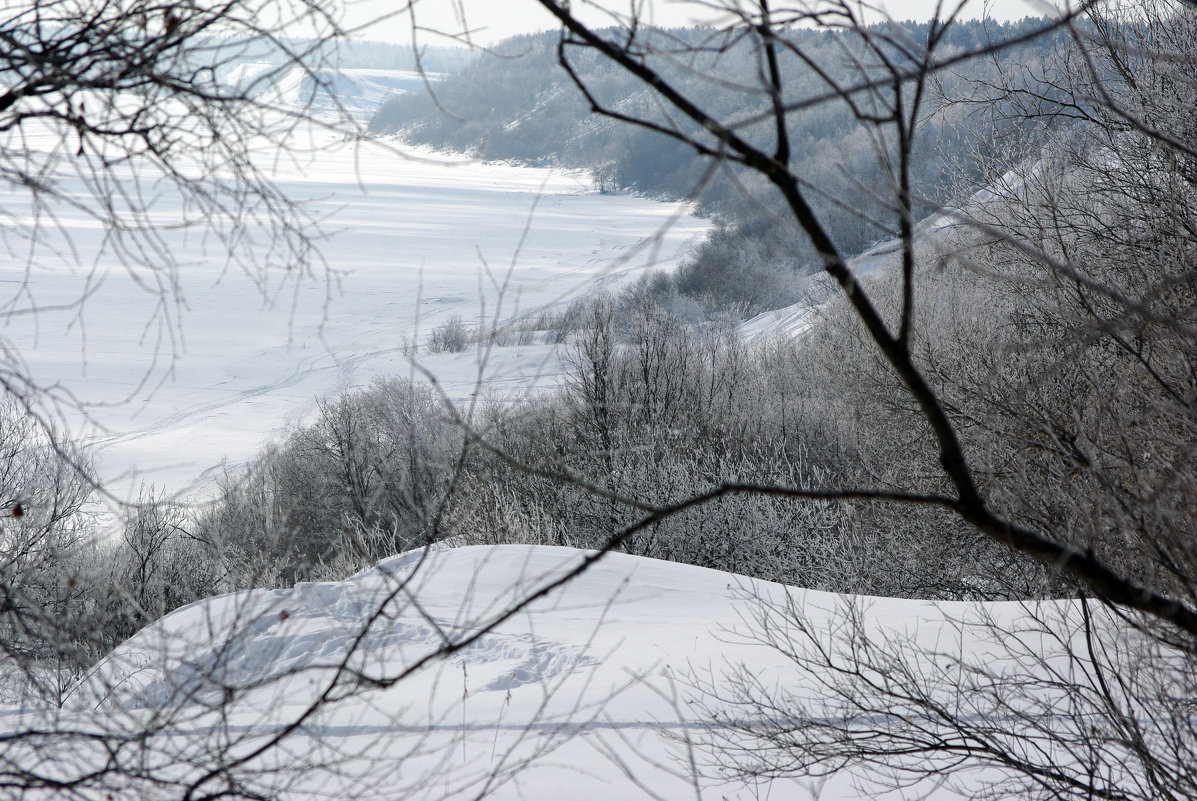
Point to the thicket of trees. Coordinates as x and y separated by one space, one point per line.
368 478
653 410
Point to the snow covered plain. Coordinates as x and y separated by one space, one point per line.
586 693
411 242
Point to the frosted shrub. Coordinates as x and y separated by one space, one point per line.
451 336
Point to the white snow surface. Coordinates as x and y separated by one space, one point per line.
414 238
587 685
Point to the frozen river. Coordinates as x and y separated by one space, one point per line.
412 242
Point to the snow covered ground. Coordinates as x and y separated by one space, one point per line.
413 240
584 694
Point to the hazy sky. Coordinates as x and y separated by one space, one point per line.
490 20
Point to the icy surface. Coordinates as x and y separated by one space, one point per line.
414 239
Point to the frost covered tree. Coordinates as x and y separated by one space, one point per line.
43 531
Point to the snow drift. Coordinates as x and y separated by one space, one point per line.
425 677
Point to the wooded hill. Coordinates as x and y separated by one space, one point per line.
515 102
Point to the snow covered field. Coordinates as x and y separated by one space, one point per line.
413 241
585 693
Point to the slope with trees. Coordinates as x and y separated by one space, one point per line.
514 101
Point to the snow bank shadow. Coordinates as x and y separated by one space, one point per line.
523 659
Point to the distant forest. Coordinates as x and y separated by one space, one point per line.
515 102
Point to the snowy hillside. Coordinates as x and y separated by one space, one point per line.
358 91
590 683
934 229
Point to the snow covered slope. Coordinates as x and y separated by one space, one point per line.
583 694
795 319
